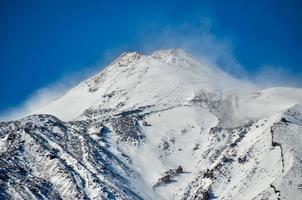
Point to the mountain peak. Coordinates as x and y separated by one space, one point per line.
175 52
171 55
202 134
166 55
164 77
126 58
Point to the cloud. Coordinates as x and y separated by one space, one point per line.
49 93
199 40
40 97
277 76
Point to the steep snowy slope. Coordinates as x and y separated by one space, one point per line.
160 126
45 158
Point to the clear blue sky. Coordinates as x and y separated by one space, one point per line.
42 41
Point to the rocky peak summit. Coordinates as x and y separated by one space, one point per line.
126 58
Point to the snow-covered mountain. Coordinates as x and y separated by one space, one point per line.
160 126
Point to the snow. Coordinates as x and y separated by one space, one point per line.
232 139
182 127
268 102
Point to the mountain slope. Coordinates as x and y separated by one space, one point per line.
162 126
136 80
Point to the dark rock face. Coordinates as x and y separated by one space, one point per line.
202 194
128 129
168 176
208 174
146 123
179 170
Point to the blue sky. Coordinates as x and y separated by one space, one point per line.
43 42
